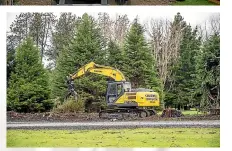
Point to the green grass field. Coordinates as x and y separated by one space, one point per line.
191 112
194 2
146 137
187 112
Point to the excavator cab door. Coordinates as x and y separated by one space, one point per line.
114 91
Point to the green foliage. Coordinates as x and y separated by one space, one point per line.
192 112
139 63
28 85
193 2
85 47
48 105
208 72
36 25
61 36
192 77
195 77
183 72
16 2
40 28
115 56
70 106
136 137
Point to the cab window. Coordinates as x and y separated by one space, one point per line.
119 89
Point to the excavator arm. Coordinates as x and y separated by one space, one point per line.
92 68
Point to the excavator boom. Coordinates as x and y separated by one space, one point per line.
99 69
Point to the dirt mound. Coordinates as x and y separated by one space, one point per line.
49 116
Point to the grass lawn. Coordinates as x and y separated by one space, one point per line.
142 137
187 112
191 112
194 2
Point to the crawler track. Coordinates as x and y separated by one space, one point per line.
125 113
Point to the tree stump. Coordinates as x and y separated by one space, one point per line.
171 113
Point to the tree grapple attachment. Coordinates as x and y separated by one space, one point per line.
71 89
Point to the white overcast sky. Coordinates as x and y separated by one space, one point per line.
194 18
191 15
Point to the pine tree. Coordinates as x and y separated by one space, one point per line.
208 73
61 36
115 57
28 86
40 29
85 47
19 28
139 64
179 88
184 71
37 25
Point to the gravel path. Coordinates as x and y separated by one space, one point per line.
110 125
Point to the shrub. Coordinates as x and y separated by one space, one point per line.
48 104
70 106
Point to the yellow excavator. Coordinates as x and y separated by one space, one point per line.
121 99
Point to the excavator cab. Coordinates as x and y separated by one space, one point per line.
116 90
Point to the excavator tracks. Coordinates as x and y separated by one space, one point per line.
125 113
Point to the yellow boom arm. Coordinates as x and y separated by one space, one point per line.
99 69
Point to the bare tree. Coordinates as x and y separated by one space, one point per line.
158 30
210 27
120 28
62 35
37 25
165 38
41 29
20 27
105 23
114 29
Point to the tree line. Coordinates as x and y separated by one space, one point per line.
180 62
